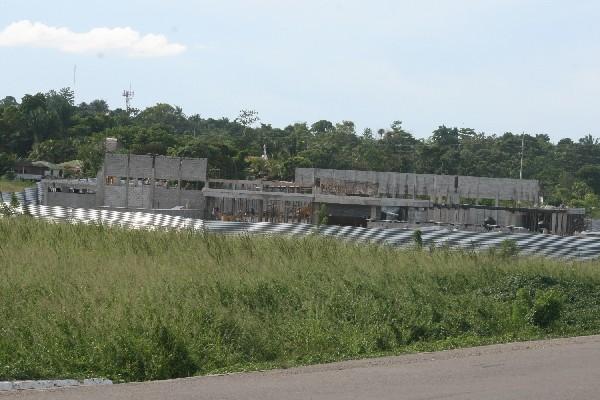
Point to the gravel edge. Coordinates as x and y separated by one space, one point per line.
50 384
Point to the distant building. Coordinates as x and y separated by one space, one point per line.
37 170
357 198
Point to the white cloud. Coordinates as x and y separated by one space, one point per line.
97 40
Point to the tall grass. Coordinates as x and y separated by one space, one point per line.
14 186
78 301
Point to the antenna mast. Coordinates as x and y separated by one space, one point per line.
128 94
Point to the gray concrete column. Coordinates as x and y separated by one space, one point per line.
100 183
374 214
126 183
179 183
152 183
315 212
497 205
259 209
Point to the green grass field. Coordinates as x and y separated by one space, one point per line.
90 301
14 186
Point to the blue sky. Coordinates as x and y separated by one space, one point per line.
492 65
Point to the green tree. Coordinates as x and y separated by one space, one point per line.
34 112
247 118
54 150
590 174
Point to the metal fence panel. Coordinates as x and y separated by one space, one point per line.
564 247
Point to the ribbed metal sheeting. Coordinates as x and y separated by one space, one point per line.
40 193
27 196
570 247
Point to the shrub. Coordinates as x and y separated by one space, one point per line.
322 220
546 308
509 248
6 210
418 238
521 306
14 201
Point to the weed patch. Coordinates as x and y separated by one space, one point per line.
80 301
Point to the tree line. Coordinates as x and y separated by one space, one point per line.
51 127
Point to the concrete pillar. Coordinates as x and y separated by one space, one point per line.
179 183
100 183
315 212
259 210
152 184
497 205
126 183
560 227
374 214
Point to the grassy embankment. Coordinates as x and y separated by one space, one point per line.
80 301
14 186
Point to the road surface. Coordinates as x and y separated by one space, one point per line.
549 370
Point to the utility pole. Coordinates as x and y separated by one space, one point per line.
74 81
522 151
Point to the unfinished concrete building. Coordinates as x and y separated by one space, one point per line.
129 181
359 198
152 182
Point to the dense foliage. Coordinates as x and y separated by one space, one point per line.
89 301
50 127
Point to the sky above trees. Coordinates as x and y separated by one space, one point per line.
492 65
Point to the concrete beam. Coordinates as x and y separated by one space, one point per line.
370 201
256 195
317 198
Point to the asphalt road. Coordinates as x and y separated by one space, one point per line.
549 370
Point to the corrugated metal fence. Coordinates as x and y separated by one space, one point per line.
27 196
570 247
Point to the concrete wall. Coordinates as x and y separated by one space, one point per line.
139 196
114 196
148 194
169 198
142 166
167 167
74 200
192 199
349 211
61 192
194 169
393 184
115 165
